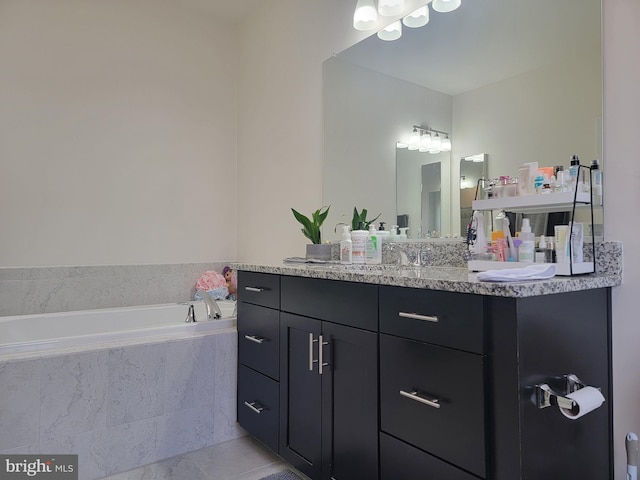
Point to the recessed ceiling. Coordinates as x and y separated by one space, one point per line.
483 42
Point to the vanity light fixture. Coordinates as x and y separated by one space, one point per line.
446 144
445 6
390 8
418 18
414 140
391 32
436 144
426 139
366 16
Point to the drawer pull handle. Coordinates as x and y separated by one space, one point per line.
427 318
433 402
254 289
253 338
252 406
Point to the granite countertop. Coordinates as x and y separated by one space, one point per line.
452 279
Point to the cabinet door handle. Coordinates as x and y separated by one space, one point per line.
428 318
254 289
253 338
321 364
252 406
311 360
432 402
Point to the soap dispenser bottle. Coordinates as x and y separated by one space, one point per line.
358 244
373 249
383 235
346 247
403 233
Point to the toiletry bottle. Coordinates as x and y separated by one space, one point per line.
596 179
346 247
541 251
373 250
393 233
527 248
574 169
403 233
550 254
383 235
358 241
538 181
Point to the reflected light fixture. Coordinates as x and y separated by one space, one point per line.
391 32
446 144
365 17
418 18
390 8
445 6
436 144
414 140
426 139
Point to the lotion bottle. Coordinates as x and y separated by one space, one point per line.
346 247
358 242
373 247
403 233
527 247
541 251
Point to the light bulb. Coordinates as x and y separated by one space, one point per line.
425 141
446 144
418 18
365 17
444 6
390 8
391 32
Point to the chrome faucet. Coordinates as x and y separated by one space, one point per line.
213 310
411 254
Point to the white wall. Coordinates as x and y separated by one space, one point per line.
117 134
284 57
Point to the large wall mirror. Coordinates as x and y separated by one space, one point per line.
517 80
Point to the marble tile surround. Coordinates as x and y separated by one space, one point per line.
119 408
61 289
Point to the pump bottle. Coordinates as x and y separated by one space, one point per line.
358 241
373 247
346 247
527 247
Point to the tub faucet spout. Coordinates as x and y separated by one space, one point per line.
213 310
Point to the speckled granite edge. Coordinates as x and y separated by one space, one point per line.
450 279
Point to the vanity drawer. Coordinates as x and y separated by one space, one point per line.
259 338
346 303
444 318
401 461
452 427
259 289
258 406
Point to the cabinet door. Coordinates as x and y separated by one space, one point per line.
349 403
300 393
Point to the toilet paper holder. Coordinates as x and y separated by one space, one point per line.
545 396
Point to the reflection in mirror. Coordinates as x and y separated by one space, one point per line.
472 169
423 192
520 79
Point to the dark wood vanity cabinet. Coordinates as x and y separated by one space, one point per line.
394 383
258 405
329 378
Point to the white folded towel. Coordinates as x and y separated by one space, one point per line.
532 272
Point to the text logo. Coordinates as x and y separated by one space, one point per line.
43 467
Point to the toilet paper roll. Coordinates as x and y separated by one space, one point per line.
587 399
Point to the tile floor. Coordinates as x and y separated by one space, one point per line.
240 459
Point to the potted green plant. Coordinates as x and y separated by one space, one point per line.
311 230
361 217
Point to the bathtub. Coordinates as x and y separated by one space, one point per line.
119 387
29 333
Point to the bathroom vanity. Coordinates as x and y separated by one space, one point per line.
392 374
